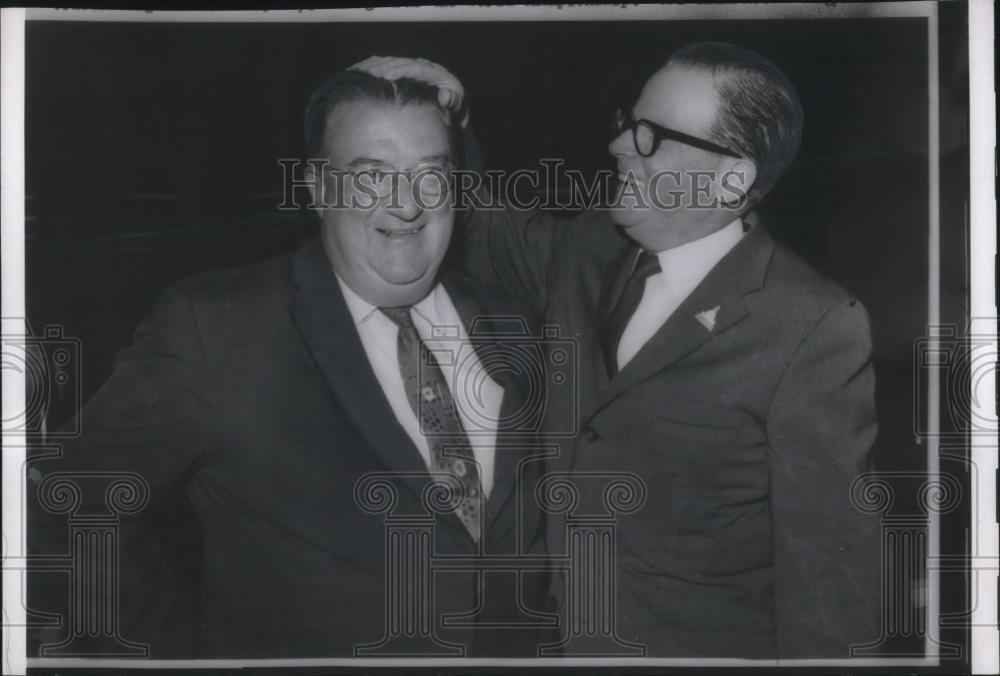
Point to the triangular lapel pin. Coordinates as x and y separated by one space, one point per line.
707 317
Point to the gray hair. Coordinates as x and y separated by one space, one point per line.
760 114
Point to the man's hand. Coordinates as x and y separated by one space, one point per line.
451 94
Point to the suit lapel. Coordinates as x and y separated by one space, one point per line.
740 272
327 328
594 377
488 332
615 277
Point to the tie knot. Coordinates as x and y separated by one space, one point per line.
400 316
646 265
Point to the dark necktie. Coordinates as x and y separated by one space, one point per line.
431 400
614 326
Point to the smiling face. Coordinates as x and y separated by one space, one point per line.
389 252
670 210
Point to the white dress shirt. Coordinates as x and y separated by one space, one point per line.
440 327
681 270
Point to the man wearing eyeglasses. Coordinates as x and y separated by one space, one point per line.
715 365
258 403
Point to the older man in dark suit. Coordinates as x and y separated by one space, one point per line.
254 400
714 363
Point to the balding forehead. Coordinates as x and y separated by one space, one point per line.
680 97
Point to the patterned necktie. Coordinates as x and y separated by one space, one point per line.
614 326
430 397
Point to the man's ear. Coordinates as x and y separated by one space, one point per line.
738 177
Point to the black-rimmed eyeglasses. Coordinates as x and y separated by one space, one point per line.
648 136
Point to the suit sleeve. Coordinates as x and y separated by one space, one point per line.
148 419
822 426
504 245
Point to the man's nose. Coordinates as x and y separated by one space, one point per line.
622 145
403 204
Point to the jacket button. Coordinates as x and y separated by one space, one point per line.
590 434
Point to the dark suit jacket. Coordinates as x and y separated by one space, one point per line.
748 437
248 405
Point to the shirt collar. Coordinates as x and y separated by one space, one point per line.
362 311
692 261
